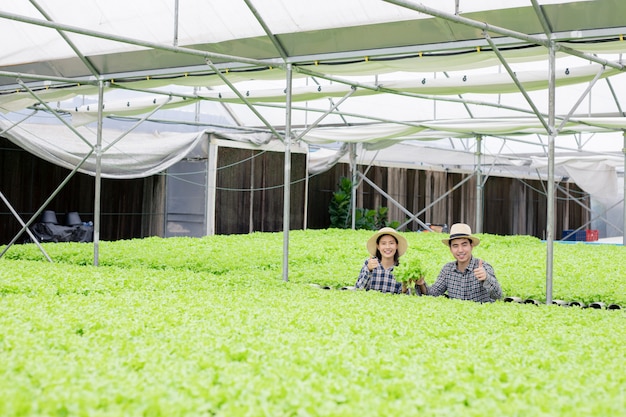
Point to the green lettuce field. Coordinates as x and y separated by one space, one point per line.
207 327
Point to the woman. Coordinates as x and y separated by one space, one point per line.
385 247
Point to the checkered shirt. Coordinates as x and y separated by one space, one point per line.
464 285
379 279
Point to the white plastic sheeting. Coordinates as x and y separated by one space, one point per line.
403 65
460 128
595 175
199 21
136 155
496 83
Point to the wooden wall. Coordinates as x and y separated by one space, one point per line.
135 208
511 206
127 206
250 192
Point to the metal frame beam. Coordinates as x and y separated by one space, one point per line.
485 27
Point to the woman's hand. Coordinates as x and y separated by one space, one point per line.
372 263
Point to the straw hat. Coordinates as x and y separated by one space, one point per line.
461 230
402 243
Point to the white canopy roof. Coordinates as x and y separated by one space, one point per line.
373 72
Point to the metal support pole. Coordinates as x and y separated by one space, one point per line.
354 182
45 204
132 41
305 219
551 186
287 189
98 180
391 199
24 227
479 186
175 40
624 195
251 199
211 191
485 27
414 216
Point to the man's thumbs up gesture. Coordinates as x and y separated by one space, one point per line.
480 272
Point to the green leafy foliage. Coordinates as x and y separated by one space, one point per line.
207 326
341 213
339 208
411 268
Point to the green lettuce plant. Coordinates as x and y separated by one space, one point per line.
206 326
411 269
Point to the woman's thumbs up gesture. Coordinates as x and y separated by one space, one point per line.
372 263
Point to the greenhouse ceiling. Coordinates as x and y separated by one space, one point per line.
370 72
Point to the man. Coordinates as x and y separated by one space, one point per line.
467 278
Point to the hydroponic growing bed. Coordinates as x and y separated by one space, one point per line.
184 327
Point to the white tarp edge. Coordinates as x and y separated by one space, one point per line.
597 175
493 83
386 134
421 155
136 155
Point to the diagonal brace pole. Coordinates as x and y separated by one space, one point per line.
19 219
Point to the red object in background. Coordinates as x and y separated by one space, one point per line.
592 235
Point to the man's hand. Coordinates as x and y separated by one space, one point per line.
480 272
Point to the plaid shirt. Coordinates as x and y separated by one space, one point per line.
464 285
379 279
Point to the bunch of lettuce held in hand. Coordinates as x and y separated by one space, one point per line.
411 269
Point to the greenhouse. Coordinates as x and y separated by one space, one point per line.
505 115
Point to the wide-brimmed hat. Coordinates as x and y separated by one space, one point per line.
402 243
461 231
